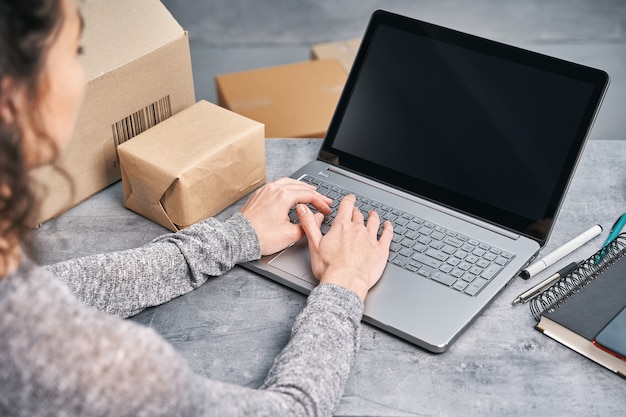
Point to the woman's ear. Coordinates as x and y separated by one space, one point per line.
8 108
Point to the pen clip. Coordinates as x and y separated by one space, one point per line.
613 233
621 221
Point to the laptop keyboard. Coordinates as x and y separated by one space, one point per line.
424 248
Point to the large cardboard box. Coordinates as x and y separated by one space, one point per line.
193 165
342 51
293 101
138 68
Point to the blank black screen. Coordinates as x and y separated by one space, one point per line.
494 136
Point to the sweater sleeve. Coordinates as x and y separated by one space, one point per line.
309 376
124 283
58 357
325 340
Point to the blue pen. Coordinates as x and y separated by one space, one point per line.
615 230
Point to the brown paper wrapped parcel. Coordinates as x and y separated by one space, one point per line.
192 165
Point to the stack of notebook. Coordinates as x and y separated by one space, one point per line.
586 310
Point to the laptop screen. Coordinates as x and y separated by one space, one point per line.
489 129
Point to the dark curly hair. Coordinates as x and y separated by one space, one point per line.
27 28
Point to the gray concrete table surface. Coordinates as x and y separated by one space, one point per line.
231 328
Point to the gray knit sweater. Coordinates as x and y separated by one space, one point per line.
63 351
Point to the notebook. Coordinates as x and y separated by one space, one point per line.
470 144
578 309
612 337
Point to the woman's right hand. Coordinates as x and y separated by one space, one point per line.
350 254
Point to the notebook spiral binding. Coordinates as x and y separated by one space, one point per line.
586 272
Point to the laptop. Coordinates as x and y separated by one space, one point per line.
468 146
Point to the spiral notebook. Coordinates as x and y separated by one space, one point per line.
578 306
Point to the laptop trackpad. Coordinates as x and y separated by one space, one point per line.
296 261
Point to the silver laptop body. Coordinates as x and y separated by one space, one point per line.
464 139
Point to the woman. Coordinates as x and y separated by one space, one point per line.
64 352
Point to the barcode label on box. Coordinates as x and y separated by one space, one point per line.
142 120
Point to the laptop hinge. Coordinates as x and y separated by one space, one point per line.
422 201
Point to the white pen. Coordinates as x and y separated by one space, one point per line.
561 252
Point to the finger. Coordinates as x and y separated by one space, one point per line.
306 195
373 222
319 218
321 203
310 225
357 216
386 235
344 211
291 181
289 185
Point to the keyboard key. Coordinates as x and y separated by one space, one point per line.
490 256
444 278
460 285
416 265
398 229
437 235
418 247
424 273
426 231
469 277
449 250
401 260
483 263
472 259
401 221
475 270
460 254
479 252
491 271
453 242
454 261
427 260
425 240
501 260
476 286
407 242
440 256
457 273
468 248
412 235
436 244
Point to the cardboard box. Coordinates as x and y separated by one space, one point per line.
293 100
343 51
193 165
138 68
